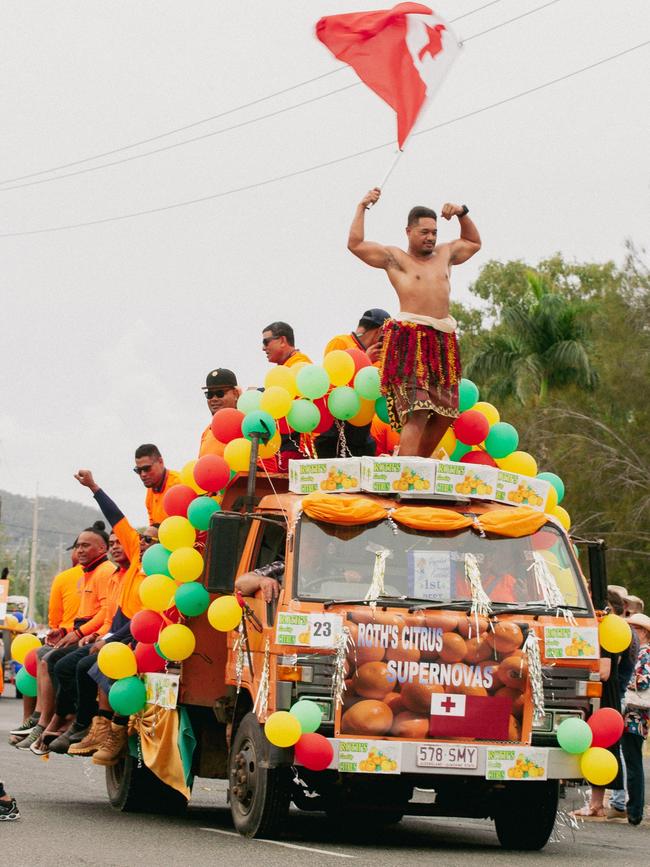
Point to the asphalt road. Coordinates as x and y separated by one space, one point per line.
66 820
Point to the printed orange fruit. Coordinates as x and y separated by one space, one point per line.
372 680
454 647
367 718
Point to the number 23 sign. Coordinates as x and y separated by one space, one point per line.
308 630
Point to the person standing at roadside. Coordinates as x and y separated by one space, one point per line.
637 721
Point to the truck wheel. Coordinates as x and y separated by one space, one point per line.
259 795
138 790
525 815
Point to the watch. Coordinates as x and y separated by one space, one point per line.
465 212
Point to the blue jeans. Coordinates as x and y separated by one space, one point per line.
633 753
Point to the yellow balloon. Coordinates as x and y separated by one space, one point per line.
157 592
176 532
614 633
187 477
237 454
276 401
598 766
225 613
551 502
177 642
365 415
21 645
339 366
283 377
562 515
272 447
490 412
117 660
185 564
518 462
448 442
283 729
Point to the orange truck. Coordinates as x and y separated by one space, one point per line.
430 709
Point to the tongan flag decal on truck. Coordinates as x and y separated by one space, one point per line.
484 717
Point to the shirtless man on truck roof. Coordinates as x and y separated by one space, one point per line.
420 364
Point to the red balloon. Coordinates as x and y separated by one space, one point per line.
211 472
360 359
31 661
226 424
478 458
283 426
607 727
314 752
146 626
147 658
171 615
326 417
471 427
177 499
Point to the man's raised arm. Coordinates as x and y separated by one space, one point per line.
368 251
469 242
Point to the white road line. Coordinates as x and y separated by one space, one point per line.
280 843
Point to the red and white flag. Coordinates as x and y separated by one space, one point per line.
403 54
484 717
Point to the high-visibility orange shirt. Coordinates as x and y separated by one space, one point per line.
95 585
210 445
113 591
346 341
65 593
384 436
297 358
155 496
129 599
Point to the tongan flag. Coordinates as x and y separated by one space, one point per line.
402 53
482 717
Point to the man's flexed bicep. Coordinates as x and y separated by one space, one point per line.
370 252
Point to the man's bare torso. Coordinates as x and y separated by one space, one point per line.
422 284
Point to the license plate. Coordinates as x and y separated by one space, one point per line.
446 756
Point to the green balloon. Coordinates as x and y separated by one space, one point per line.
155 559
467 394
343 402
367 383
460 451
156 647
381 409
127 696
26 683
574 735
192 599
312 381
200 511
308 714
259 422
501 440
304 416
248 401
557 483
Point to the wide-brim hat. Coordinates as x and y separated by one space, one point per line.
641 620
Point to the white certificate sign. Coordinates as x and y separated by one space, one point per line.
571 642
308 630
429 575
520 763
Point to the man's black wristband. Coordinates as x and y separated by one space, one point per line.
465 212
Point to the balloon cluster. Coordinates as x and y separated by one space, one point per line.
478 436
305 399
590 740
297 728
23 651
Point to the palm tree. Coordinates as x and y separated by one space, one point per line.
539 344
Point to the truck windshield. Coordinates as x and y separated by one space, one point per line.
336 562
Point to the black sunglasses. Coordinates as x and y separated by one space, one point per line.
215 392
267 340
147 539
139 470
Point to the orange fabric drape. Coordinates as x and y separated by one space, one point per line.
514 522
343 508
430 518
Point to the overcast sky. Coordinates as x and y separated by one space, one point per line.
109 330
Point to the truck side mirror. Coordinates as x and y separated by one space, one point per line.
226 540
598 572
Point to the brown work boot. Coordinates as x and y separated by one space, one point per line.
114 746
94 740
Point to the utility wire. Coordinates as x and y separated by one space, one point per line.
328 163
200 122
511 20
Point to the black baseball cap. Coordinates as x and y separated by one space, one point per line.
220 376
375 317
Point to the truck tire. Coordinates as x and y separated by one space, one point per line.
138 790
259 795
525 815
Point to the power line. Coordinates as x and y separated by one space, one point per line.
331 162
200 122
511 20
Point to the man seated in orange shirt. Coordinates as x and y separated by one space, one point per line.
156 478
366 336
221 392
279 346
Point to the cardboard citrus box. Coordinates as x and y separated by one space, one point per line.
330 475
466 480
518 490
398 475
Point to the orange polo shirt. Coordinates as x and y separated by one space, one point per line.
154 499
343 341
95 588
209 444
113 590
129 599
65 593
297 358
